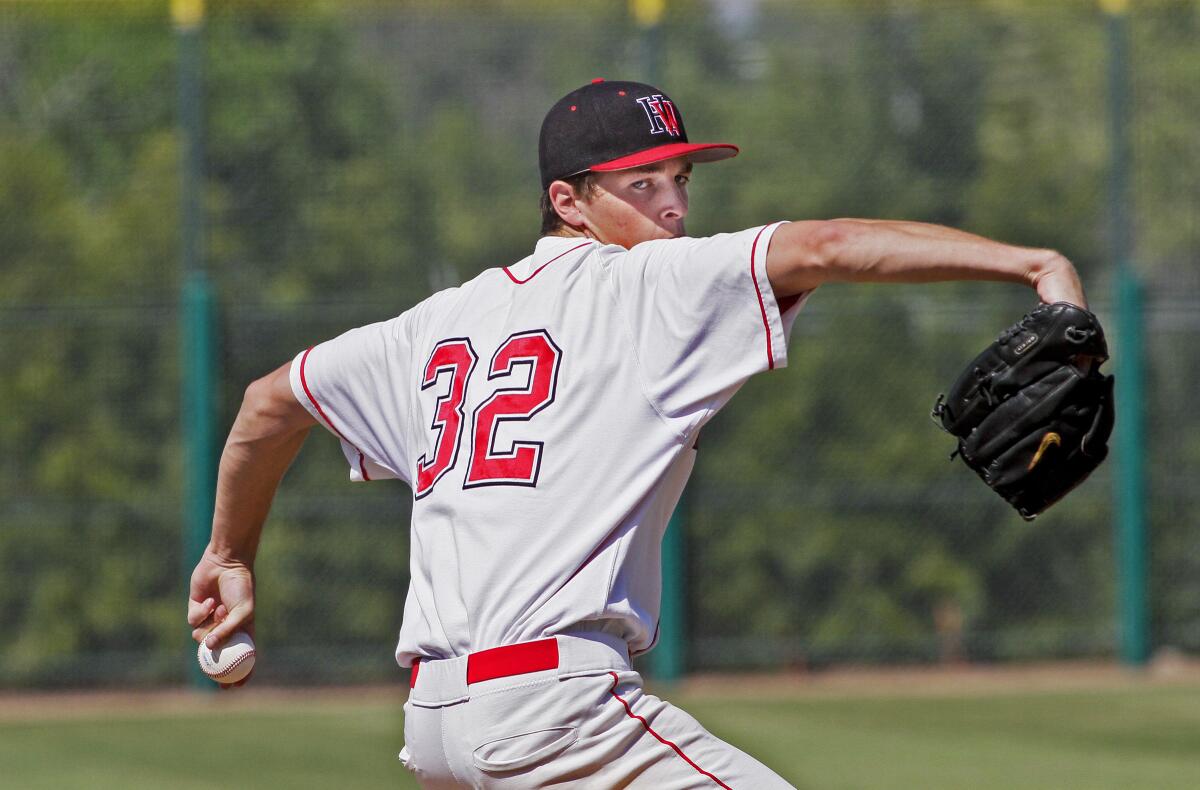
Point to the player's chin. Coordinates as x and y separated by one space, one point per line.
648 232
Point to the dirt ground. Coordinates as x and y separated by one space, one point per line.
842 682
956 680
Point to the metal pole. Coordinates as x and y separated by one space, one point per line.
197 307
668 658
1129 490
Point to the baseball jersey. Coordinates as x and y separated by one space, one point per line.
545 415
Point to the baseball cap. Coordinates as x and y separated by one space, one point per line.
613 126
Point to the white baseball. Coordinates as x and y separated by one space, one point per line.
230 662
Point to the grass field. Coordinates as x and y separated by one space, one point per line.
1133 735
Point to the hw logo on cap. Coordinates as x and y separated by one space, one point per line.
598 127
661 113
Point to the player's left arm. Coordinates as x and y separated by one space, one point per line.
806 254
266 436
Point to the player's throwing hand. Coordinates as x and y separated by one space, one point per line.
221 599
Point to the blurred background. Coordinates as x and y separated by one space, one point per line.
191 195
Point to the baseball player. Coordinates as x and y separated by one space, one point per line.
545 415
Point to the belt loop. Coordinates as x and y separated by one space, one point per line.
439 682
585 652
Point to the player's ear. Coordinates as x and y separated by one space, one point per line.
566 202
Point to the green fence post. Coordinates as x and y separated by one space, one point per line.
667 660
199 381
1131 532
1129 490
198 330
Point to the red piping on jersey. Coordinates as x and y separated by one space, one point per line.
761 304
653 641
649 729
362 459
544 265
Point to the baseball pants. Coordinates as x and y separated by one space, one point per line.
579 718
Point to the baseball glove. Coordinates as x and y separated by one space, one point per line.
1032 412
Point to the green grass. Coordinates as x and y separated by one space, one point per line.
323 746
1133 738
1129 738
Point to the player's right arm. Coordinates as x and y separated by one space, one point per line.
266 436
804 255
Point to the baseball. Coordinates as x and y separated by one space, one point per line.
230 662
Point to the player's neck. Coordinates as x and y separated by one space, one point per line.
569 232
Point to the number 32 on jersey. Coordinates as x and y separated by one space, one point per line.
523 375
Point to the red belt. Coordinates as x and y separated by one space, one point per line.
501 662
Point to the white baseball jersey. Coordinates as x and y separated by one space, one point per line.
545 415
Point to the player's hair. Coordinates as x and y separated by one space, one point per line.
584 185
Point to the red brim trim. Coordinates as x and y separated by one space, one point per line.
695 152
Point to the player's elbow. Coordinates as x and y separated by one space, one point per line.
268 406
256 409
256 399
805 254
827 241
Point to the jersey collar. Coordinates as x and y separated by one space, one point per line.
548 250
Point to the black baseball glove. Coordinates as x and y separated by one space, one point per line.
1033 412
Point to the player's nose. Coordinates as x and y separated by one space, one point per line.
675 206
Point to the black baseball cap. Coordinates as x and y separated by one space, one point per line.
614 126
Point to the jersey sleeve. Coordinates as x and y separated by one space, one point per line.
703 317
357 386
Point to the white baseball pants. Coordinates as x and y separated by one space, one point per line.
583 721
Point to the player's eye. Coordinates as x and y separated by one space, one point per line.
641 183
682 179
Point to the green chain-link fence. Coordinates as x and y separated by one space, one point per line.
359 157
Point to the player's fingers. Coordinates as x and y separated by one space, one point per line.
199 611
204 629
238 617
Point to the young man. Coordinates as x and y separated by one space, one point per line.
545 415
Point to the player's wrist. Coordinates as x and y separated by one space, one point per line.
1036 265
226 555
1054 278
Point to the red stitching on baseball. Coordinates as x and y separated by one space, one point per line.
206 662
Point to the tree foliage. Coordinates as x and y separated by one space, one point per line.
355 162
